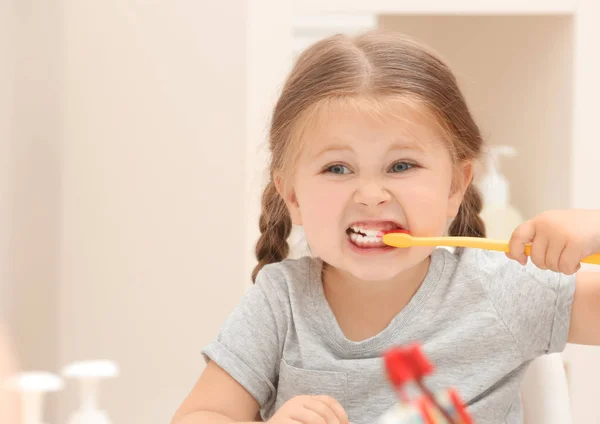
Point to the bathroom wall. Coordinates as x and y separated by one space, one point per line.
125 130
152 210
30 141
8 18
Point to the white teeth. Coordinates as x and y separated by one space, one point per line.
365 241
369 237
368 232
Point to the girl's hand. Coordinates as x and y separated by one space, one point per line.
559 239
310 410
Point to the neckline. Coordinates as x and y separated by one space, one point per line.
330 328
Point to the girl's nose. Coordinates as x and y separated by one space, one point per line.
371 193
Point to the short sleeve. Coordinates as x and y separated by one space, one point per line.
249 344
534 304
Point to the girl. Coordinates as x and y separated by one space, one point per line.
372 134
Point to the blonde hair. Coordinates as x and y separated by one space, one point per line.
373 65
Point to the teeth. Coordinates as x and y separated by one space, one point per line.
366 241
369 237
368 232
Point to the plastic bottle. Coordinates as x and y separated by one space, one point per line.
89 373
500 217
32 387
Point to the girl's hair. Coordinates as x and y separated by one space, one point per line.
379 66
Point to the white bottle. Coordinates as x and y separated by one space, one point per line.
89 373
32 387
499 216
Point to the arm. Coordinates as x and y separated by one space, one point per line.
585 315
242 362
216 398
243 369
559 241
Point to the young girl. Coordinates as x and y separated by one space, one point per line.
372 134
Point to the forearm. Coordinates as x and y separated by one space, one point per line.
206 417
585 313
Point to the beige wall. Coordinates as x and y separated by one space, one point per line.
8 22
30 159
152 192
124 137
8 17
29 183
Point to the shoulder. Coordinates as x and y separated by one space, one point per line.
290 279
498 277
488 265
511 287
290 269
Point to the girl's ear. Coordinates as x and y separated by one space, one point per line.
289 197
462 180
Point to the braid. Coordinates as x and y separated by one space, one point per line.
275 226
468 222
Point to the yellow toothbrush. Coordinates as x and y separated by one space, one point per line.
406 240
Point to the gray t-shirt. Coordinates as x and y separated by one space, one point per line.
480 317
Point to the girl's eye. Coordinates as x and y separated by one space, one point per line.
338 169
401 167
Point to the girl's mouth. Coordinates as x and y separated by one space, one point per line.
368 235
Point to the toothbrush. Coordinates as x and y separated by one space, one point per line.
406 240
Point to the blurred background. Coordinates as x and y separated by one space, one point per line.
132 158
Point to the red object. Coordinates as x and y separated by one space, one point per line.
398 368
420 364
460 406
407 364
425 409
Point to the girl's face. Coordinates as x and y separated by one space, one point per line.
360 173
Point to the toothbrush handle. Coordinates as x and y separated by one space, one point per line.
483 243
592 259
474 242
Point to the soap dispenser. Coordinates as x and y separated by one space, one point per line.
89 373
32 387
499 216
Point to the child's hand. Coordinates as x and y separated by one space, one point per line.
310 410
559 239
